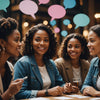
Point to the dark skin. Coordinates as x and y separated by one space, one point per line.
16 85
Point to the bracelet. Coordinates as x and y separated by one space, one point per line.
46 92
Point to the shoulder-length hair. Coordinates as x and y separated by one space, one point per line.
63 48
28 48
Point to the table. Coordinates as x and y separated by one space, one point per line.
66 97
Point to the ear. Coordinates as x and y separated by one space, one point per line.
2 43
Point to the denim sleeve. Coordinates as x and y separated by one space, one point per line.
21 70
89 77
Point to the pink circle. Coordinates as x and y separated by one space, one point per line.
56 30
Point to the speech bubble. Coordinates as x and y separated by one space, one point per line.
43 1
69 3
56 12
28 7
81 20
53 22
4 4
64 33
66 21
57 30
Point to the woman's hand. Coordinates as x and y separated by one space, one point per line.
91 91
75 89
15 86
68 88
55 91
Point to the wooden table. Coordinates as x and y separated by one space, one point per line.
66 97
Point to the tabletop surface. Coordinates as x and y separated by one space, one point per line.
66 97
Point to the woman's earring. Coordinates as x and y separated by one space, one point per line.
0 49
4 49
31 48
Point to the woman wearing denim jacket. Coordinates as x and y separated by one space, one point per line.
91 84
43 76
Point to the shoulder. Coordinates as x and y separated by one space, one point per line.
23 62
94 60
85 62
24 59
59 60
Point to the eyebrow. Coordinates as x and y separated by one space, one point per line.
75 44
40 37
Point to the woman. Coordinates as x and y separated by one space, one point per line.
9 47
73 55
36 64
91 84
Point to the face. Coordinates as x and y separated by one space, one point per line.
13 44
94 44
74 48
40 42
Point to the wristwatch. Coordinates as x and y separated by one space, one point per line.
46 92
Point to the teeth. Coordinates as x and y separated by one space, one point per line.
41 48
73 53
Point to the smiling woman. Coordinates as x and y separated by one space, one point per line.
9 47
73 63
43 76
91 84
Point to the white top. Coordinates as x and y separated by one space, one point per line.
45 77
1 85
77 74
98 83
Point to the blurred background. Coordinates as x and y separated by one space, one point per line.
91 8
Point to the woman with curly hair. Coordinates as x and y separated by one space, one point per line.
36 64
73 55
9 47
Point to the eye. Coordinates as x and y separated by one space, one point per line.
92 40
46 40
77 46
69 46
37 40
17 40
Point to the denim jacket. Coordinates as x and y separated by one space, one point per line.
92 75
27 66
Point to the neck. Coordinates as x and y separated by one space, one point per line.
75 63
3 59
39 60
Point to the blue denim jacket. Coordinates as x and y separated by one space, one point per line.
27 66
92 75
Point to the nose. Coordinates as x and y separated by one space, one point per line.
73 48
42 42
88 44
20 43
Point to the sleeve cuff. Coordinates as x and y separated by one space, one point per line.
34 93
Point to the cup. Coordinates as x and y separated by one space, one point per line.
76 81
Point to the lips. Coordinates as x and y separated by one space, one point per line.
91 49
41 48
19 49
73 53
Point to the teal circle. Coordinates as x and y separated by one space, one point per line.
64 33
